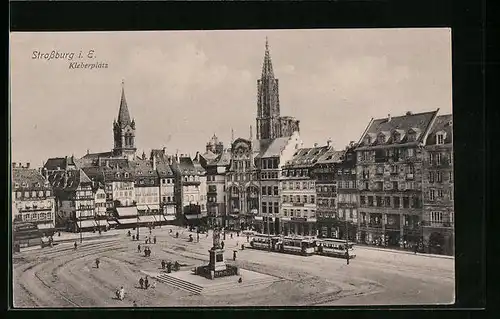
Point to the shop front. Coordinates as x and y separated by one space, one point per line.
301 226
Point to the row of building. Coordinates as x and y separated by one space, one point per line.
392 187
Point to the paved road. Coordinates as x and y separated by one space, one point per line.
64 277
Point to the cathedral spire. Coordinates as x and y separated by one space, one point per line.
267 67
123 114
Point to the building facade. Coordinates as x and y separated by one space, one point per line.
298 192
438 214
147 192
33 199
74 194
242 185
324 173
216 168
389 177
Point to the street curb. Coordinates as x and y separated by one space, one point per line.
407 252
85 238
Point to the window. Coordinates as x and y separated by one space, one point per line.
291 212
305 199
34 216
411 152
379 201
439 177
380 170
264 190
285 212
275 190
312 199
264 208
432 194
297 197
397 202
47 193
18 194
297 185
341 213
370 200
440 193
387 201
438 159
276 208
33 194
450 177
440 139
431 177
269 190
436 217
362 200
367 186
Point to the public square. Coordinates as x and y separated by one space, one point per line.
62 276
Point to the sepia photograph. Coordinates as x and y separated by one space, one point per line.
235 168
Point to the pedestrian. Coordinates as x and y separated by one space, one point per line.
75 245
139 248
154 239
231 235
197 237
153 285
146 282
234 255
177 235
128 234
416 248
163 264
206 235
146 241
248 238
133 237
141 282
222 244
240 280
347 255
97 262
59 234
134 304
122 293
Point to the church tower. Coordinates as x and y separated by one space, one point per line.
124 131
268 103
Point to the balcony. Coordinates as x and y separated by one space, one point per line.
298 204
392 227
410 176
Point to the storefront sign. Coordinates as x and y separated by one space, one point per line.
299 219
25 227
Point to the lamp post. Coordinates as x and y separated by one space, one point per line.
81 235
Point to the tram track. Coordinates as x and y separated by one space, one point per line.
36 266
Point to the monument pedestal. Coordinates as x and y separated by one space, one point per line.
216 262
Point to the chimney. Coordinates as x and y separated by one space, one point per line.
329 142
409 113
27 165
315 144
389 118
14 164
58 168
88 151
154 163
164 150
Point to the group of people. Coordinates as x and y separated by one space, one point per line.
144 283
175 266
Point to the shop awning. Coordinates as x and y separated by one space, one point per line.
45 226
192 216
147 219
259 218
126 221
112 222
85 223
142 207
169 217
159 218
126 211
154 207
102 223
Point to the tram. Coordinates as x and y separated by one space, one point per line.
297 245
334 248
263 241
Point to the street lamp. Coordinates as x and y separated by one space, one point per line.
81 235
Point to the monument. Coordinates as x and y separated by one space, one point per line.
216 267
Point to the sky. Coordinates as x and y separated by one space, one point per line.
184 86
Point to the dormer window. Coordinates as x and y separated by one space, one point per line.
381 139
17 185
126 175
117 175
396 137
411 136
440 137
368 140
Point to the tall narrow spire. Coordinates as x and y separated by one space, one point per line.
267 67
251 134
232 136
123 114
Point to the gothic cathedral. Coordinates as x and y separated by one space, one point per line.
124 131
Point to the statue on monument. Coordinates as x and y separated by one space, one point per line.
216 239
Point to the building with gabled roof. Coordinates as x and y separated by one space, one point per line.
389 177
73 190
216 169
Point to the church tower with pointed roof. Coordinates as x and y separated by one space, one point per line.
268 103
124 131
